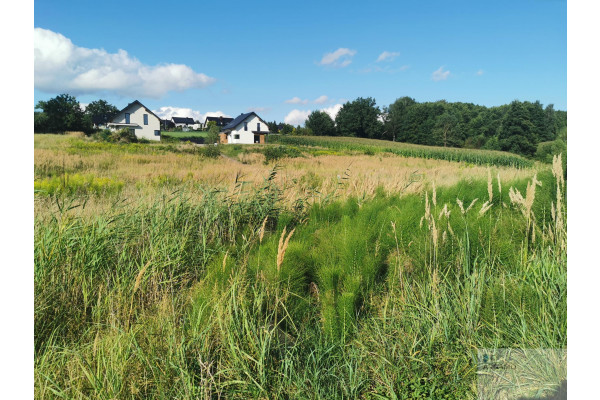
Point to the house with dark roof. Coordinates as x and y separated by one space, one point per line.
138 119
220 121
166 124
246 128
184 122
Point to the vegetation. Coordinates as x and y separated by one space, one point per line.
173 288
482 157
321 123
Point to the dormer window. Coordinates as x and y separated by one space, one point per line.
245 126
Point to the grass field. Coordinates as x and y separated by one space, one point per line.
330 272
180 134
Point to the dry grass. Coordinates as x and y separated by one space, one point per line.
305 177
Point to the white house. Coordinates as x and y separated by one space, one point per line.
139 119
245 129
184 122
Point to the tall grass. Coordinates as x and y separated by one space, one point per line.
236 295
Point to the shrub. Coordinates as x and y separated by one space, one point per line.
210 151
274 153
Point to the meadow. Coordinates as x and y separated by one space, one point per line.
289 270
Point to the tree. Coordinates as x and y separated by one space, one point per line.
446 130
517 133
213 133
359 118
63 113
101 110
394 116
320 123
286 129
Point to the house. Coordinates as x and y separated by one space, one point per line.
246 129
184 122
139 119
166 124
220 121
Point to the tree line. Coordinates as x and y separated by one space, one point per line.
517 127
64 113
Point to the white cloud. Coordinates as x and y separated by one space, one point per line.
342 57
170 111
321 100
440 74
296 100
333 110
480 72
387 56
61 66
298 117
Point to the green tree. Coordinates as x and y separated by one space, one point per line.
286 129
320 123
359 118
63 113
394 116
446 130
517 133
213 133
101 109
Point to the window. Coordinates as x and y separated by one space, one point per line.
145 119
156 133
245 126
258 127
237 136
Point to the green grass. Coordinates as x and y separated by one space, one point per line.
184 298
181 134
372 146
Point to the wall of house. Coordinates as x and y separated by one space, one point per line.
137 117
246 137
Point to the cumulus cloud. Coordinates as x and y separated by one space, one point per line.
440 75
340 58
480 72
298 117
387 56
61 66
333 110
321 100
170 111
296 100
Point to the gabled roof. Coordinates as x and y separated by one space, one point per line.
183 120
132 104
221 121
238 120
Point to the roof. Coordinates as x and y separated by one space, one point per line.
238 120
221 121
183 120
134 103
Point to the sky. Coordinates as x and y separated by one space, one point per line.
284 60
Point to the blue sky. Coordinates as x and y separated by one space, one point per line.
285 59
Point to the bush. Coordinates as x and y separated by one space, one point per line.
210 151
121 136
273 153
